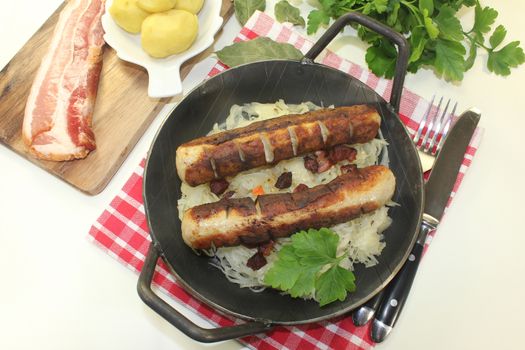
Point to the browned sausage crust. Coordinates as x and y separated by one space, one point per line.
230 222
270 141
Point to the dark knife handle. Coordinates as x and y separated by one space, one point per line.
396 293
395 296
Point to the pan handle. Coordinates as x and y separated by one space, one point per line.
205 335
395 37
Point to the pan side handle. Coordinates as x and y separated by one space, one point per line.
205 335
398 39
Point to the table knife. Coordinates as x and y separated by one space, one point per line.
437 193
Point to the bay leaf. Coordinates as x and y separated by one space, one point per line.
244 9
285 12
258 49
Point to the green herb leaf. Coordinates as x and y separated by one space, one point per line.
509 56
368 35
449 59
426 5
498 36
315 247
449 26
380 59
380 5
284 12
428 57
258 49
305 284
417 40
391 20
469 62
286 273
369 7
244 9
316 18
431 27
298 267
333 285
484 18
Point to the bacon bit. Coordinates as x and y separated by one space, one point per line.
341 152
310 163
284 180
219 186
323 161
256 261
300 188
349 168
258 191
228 194
266 248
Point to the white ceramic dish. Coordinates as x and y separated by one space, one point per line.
164 73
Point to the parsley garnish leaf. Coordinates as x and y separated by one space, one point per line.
498 36
418 40
484 18
284 275
449 59
427 5
473 51
316 18
435 33
449 26
380 5
309 266
334 284
509 56
381 59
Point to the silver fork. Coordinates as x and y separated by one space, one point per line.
431 132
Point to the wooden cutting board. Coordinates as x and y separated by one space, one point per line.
122 112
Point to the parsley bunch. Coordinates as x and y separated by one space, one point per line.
309 266
436 36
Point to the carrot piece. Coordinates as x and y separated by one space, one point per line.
257 191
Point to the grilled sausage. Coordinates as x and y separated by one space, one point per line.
233 221
270 141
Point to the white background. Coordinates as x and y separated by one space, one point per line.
59 291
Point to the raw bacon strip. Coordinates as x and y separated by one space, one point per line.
57 119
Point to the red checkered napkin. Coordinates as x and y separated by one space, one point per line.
122 231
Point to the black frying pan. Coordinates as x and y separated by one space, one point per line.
267 82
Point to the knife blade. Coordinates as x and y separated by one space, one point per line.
437 193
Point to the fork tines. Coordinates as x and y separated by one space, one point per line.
434 127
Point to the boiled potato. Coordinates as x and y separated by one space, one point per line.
168 33
128 15
193 6
156 5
